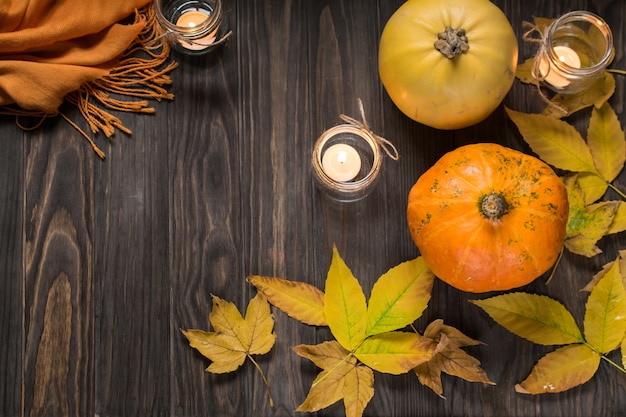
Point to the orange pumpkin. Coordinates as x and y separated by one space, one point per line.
488 218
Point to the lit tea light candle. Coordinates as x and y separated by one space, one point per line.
555 77
192 19
341 162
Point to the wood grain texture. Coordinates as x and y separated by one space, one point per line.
103 262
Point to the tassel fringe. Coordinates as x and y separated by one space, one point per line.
142 72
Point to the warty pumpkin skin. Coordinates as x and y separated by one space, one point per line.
454 218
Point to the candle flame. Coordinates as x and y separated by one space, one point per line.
342 156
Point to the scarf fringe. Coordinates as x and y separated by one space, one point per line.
142 72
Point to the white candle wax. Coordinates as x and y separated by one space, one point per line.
341 162
555 77
191 19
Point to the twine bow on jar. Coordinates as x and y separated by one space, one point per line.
383 143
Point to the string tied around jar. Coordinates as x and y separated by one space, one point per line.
383 143
534 34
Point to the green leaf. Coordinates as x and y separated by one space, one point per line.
586 227
605 138
586 224
399 297
537 318
605 312
593 187
558 371
596 95
556 142
395 352
344 304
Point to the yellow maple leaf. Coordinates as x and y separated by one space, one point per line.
235 338
342 377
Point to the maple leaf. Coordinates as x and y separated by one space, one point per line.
235 338
342 378
449 358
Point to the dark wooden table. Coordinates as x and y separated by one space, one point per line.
102 262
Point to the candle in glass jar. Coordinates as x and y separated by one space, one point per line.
555 77
341 162
191 19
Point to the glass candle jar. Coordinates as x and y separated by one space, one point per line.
346 163
576 50
192 27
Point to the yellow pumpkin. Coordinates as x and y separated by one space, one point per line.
487 218
447 64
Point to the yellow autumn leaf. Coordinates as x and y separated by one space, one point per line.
605 312
342 378
344 304
556 142
537 318
524 71
399 297
596 95
624 352
605 139
449 358
586 224
619 220
395 352
592 186
560 370
298 300
235 338
221 350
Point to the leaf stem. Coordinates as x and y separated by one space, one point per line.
267 385
617 71
606 358
331 370
617 190
556 265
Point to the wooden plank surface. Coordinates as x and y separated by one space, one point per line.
103 262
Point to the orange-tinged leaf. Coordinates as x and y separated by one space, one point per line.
560 370
225 318
605 138
537 318
592 186
298 300
222 351
325 355
327 389
556 142
344 304
358 390
449 358
399 297
259 320
605 312
596 95
395 352
234 338
341 378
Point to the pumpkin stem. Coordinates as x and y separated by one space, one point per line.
452 42
493 206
